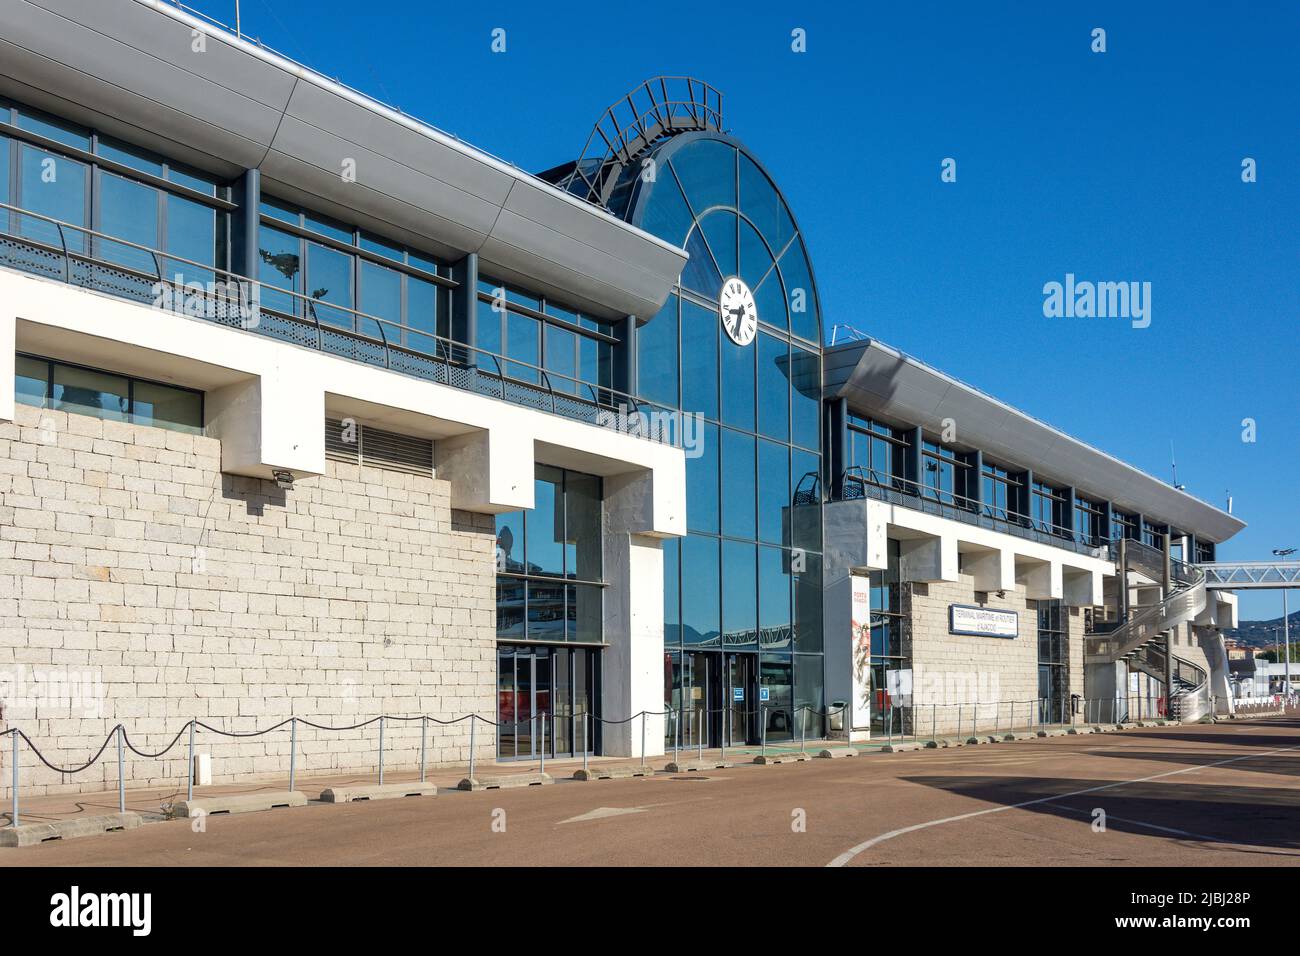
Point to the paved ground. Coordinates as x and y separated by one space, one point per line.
1209 795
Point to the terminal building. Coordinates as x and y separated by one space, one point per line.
319 411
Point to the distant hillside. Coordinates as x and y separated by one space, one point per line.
1262 633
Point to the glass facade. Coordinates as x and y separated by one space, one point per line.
891 649
743 589
88 181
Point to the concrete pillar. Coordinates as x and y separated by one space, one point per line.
633 669
464 300
245 224
992 570
490 471
928 559
269 423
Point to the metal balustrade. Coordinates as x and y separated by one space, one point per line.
917 497
49 248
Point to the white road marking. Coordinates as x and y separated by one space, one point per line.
1143 823
600 813
850 853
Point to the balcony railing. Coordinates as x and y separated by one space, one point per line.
45 247
917 497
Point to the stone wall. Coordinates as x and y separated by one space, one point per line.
140 585
986 683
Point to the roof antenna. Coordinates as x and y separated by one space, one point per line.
238 32
1228 492
1177 486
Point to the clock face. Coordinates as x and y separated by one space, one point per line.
739 314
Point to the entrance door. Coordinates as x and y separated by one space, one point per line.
543 694
739 699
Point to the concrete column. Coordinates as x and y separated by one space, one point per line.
463 300
245 223
633 672
490 471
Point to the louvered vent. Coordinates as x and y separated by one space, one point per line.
378 447
399 452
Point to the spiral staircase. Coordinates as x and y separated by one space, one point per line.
1140 641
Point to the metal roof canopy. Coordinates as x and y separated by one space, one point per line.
877 379
129 67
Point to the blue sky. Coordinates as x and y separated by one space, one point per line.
1123 165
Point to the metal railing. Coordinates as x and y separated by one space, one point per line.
50 248
919 497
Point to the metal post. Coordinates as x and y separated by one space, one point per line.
803 734
13 816
542 747
704 725
762 730
189 789
933 720
643 720
473 719
424 733
677 736
121 770
381 750
585 717
293 750
889 724
1286 637
997 716
726 732
959 722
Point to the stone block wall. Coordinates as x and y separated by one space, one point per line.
985 683
140 585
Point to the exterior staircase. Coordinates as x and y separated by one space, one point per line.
1139 641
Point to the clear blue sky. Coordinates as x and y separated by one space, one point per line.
1117 166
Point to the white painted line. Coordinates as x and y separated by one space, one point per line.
850 853
1143 823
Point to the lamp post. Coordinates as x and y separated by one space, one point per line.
1286 629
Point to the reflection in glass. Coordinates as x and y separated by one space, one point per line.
510 609
720 232
707 170
128 211
656 346
165 407
738 492
739 594
329 280
776 677
773 492
280 268
546 523
31 381
86 392
55 187
774 598
582 558
737 381
700 358
773 387
702 483
700 601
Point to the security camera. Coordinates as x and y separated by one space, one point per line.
283 479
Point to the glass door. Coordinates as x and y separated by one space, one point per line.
739 701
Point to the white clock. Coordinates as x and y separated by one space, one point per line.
738 311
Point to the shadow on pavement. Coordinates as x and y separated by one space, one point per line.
1204 813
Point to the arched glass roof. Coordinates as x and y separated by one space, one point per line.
704 192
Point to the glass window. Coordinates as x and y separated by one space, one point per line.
700 605
510 542
5 195
55 187
666 214
421 314
86 392
192 234
720 233
773 492
700 273
487 329
562 358
656 343
778 710
707 170
739 494
327 226
523 347
737 381
672 593
809 694
805 411
773 387
585 613
595 361
31 380
380 247
739 594
69 134
381 296
702 483
280 268
166 407
774 598
804 320
761 203
197 181
582 558
510 609
270 206
547 611
756 269
329 280
128 211
546 523
700 356
128 156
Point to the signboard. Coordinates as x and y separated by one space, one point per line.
737 693
982 621
860 706
763 694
